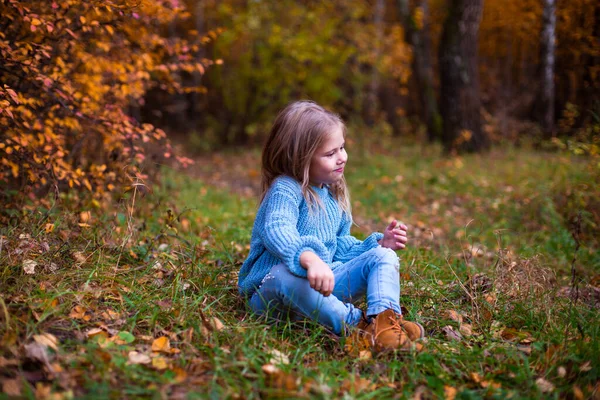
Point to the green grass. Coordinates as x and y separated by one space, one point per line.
168 265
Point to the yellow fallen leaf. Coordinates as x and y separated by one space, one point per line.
159 363
96 332
161 344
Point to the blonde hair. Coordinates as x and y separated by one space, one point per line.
298 132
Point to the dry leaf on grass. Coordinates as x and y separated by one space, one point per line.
450 392
138 358
466 329
47 339
277 357
451 334
161 344
544 385
12 387
356 385
29 267
287 383
453 315
159 363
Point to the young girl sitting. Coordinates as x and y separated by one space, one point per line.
302 256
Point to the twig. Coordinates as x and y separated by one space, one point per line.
574 294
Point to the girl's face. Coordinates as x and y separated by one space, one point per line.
327 164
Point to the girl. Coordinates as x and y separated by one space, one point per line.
302 257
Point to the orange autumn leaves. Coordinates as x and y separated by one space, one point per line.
72 71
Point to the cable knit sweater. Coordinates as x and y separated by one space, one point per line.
284 229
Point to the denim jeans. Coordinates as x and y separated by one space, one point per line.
374 273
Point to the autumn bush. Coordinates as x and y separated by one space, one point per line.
74 75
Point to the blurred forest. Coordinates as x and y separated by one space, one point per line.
90 91
381 61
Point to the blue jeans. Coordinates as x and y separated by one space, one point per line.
374 273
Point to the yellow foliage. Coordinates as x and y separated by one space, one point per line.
69 83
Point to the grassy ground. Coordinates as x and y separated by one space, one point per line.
139 299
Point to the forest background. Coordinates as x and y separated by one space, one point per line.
99 100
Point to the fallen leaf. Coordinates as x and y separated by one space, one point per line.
451 333
29 267
277 379
578 393
524 348
11 387
37 351
475 377
454 316
48 340
216 324
269 369
466 329
586 366
78 312
356 385
85 216
159 363
544 385
79 257
161 344
138 358
277 357
450 392
180 375
96 333
421 393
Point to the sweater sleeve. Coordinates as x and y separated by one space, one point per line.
280 235
348 247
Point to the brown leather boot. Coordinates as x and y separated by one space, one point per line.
391 332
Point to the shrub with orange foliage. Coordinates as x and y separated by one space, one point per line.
71 74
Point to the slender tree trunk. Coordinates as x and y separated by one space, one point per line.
460 101
547 58
418 37
197 97
372 97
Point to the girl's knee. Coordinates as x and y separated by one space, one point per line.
386 256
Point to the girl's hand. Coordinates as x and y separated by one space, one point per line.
394 236
318 273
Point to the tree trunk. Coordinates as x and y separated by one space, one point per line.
460 102
417 35
372 97
546 97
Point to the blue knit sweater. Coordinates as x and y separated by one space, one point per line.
284 229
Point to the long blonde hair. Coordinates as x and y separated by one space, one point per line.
298 132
